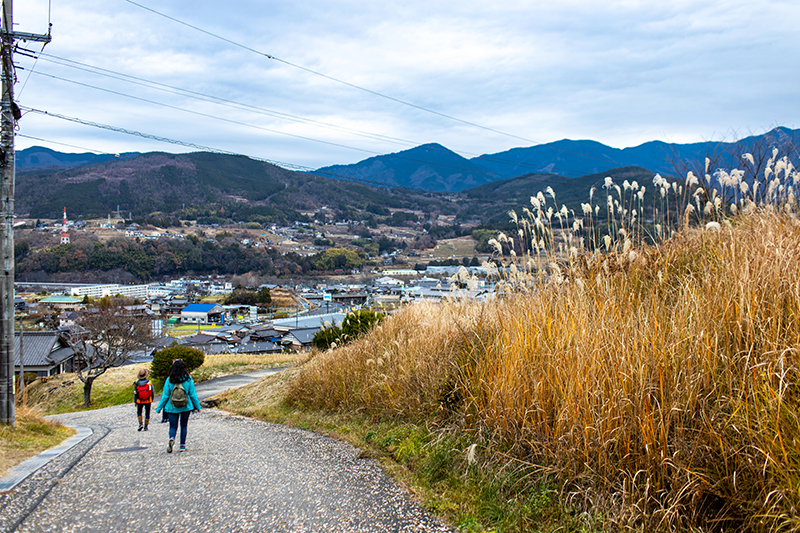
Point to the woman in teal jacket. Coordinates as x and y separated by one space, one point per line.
178 375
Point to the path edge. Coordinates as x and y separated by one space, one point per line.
19 473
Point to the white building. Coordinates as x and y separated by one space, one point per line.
98 291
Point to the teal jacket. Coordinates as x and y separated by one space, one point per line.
166 394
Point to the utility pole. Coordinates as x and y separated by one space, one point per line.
9 114
21 361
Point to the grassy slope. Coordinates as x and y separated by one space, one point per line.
64 393
659 393
32 435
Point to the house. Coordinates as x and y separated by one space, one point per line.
208 344
258 347
387 281
139 311
308 322
264 333
67 319
146 355
203 314
44 352
299 339
175 306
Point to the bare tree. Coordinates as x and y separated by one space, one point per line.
107 336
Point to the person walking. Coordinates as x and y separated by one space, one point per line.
143 395
178 399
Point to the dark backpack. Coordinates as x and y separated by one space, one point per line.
178 396
143 392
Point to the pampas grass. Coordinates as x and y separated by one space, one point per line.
657 384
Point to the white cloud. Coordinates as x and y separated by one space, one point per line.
619 72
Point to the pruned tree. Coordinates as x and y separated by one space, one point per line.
106 336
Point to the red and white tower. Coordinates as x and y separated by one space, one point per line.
64 232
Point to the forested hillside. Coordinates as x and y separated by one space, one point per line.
201 186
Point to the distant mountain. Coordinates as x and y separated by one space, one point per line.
430 167
37 158
435 168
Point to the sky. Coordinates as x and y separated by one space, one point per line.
315 83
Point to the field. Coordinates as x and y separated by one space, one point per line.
457 248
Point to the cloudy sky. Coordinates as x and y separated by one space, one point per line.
314 83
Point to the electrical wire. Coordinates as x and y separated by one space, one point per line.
337 80
270 130
215 99
206 115
286 166
154 137
246 107
65 144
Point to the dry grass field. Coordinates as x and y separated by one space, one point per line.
635 387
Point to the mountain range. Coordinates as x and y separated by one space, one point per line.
434 167
430 178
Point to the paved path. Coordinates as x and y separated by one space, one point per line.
237 474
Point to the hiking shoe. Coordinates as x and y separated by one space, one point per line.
182 449
169 446
140 427
145 428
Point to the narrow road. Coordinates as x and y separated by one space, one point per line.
237 474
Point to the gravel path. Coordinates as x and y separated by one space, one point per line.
237 474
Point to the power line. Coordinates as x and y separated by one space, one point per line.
206 115
246 107
215 99
331 78
352 85
287 166
65 144
153 137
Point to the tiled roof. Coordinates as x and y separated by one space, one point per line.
40 348
256 347
304 335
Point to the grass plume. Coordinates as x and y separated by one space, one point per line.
655 385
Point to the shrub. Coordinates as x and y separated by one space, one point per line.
326 337
162 360
357 323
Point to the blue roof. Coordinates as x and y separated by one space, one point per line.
199 308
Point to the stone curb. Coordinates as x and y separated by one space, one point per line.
20 472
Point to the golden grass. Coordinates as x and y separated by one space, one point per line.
660 388
64 393
31 436
223 364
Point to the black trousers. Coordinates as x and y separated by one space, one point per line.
146 407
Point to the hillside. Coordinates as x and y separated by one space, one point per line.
38 158
492 201
199 185
213 188
630 387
